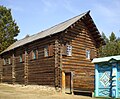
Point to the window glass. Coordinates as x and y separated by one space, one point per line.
88 54
21 60
9 60
69 50
34 54
4 61
46 51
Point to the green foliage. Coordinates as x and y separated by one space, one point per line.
112 46
112 37
8 28
105 38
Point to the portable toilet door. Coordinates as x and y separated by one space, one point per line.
107 77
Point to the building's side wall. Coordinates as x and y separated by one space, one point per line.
6 70
83 70
41 70
19 66
31 71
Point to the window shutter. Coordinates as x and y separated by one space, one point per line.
23 57
36 54
64 49
31 55
50 48
92 54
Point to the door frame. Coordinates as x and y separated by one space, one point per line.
64 81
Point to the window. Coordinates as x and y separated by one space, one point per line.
46 51
88 54
66 50
34 54
9 60
4 61
22 58
69 50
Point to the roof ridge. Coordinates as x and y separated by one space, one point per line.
50 31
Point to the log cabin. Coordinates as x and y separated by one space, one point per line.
59 56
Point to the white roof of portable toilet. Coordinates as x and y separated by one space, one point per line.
105 59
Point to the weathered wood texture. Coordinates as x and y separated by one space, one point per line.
83 70
7 70
48 70
41 70
31 71
18 66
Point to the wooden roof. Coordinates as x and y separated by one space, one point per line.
57 29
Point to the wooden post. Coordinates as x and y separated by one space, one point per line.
58 65
13 69
72 83
63 82
26 69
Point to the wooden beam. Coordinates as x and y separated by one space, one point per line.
26 69
63 82
13 69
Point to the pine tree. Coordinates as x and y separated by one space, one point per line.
112 37
105 38
8 28
112 46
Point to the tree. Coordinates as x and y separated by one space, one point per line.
8 28
112 37
112 46
105 38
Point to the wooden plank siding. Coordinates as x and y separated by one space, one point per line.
83 70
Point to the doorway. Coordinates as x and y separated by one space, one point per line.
68 82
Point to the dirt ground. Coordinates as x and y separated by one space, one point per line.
8 91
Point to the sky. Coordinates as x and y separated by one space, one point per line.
33 16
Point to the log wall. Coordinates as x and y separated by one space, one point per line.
48 70
83 70
7 70
39 71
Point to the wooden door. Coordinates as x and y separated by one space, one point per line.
68 82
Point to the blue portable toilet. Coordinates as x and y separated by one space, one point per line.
107 76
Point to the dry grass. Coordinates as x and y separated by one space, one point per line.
33 92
